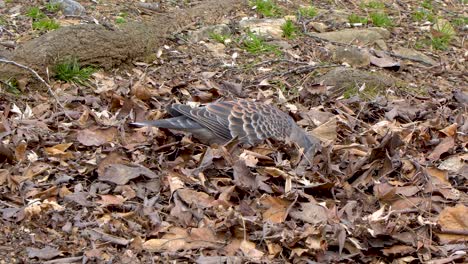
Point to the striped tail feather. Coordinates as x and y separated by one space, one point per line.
181 123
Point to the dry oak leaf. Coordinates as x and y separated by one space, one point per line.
96 137
60 150
311 213
277 209
121 174
108 199
444 146
454 219
194 198
183 239
45 253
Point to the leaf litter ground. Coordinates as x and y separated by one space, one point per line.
389 184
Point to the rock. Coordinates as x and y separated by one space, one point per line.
2 4
216 48
205 32
69 7
356 36
16 9
318 26
352 56
347 81
268 27
333 17
415 55
281 43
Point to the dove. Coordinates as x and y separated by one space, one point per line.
248 121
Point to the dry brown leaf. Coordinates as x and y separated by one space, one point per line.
109 199
277 209
121 174
194 198
327 131
20 151
444 146
454 219
249 250
96 137
398 250
179 238
450 131
311 213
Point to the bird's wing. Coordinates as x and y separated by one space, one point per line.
213 116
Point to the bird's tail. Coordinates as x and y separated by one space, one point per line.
182 123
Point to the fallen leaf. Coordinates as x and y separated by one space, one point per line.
121 174
96 137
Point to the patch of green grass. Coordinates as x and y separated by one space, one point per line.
460 21
221 38
373 5
290 30
308 12
381 20
427 4
439 39
45 24
368 93
70 71
266 8
53 8
35 13
120 20
12 86
423 14
255 44
354 19
3 21
442 37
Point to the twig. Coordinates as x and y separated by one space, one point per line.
280 60
304 69
40 79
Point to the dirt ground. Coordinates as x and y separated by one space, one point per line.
389 185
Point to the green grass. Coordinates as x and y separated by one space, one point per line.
440 40
427 4
53 8
381 19
120 20
354 19
256 45
308 12
45 24
70 71
460 21
266 8
423 14
221 38
373 5
12 86
35 13
290 30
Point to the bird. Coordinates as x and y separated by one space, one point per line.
250 122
